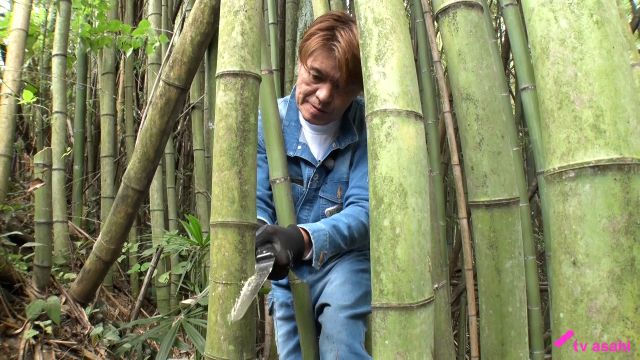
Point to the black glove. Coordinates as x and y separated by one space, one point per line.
288 244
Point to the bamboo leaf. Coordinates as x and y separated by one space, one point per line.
194 335
167 341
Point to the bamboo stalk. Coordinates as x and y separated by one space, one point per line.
320 7
11 89
443 341
130 142
161 114
461 200
273 41
43 220
401 282
61 242
233 200
283 201
290 44
338 5
529 98
591 183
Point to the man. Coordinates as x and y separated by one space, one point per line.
326 145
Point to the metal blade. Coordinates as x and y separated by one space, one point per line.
252 286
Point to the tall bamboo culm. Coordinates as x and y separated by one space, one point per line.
43 221
233 195
529 98
161 114
402 289
130 142
282 198
45 71
11 89
157 195
490 145
275 48
59 132
291 27
589 100
320 7
464 237
78 135
108 129
443 341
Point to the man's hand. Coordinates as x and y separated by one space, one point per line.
289 245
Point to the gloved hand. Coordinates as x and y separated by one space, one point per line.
288 244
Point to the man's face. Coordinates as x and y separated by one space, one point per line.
320 96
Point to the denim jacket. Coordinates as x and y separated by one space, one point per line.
331 195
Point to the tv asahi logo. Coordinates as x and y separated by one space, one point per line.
618 346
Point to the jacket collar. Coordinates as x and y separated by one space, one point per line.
291 129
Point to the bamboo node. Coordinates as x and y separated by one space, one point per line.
280 180
239 73
397 112
446 5
174 84
234 223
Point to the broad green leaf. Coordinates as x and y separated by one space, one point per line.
53 308
35 308
30 333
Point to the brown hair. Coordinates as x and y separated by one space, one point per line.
337 33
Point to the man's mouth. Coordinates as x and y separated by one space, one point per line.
317 109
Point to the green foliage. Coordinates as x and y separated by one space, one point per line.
180 328
51 307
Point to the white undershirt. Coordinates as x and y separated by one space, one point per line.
318 137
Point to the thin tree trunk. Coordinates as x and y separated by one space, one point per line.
130 142
275 46
61 242
402 288
589 106
529 97
43 221
233 206
11 89
338 5
210 116
320 7
291 27
161 115
460 195
157 200
78 134
108 129
443 341
283 201
45 71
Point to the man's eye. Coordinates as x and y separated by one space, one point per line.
316 77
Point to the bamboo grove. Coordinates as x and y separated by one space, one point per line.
504 173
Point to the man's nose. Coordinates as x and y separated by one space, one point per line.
325 93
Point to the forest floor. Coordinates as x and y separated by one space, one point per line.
49 325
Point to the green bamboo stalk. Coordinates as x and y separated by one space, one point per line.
59 133
273 41
11 89
43 220
45 72
172 214
161 114
402 288
158 228
130 142
458 186
443 341
305 18
320 7
591 183
283 201
290 44
281 45
233 201
529 99
199 168
489 143
78 134
338 5
90 134
210 103
108 129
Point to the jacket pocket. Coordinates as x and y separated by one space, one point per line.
331 197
